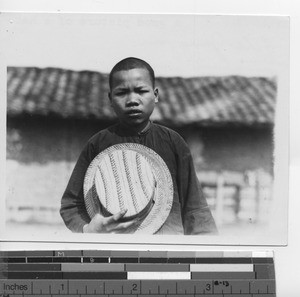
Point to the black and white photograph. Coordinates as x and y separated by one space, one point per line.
145 128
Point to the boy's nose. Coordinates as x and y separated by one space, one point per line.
132 100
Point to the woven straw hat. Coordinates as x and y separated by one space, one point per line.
133 177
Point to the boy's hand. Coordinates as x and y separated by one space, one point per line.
100 224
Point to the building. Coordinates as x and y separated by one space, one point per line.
51 113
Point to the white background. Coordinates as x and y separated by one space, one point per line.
286 258
184 45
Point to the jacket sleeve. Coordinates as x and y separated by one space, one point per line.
73 211
196 215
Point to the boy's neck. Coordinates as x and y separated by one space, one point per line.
135 129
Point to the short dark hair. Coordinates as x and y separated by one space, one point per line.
131 63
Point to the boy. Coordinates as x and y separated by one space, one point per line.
133 96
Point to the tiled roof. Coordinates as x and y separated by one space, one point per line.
198 100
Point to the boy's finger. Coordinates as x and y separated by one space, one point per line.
116 217
124 226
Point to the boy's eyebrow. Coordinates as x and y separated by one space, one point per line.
142 86
120 88
126 88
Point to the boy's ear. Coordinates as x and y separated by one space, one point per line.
156 95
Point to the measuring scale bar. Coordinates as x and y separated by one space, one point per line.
141 287
142 273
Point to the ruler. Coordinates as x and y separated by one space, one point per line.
84 273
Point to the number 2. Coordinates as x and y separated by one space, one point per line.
134 287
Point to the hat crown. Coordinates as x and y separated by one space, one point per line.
124 180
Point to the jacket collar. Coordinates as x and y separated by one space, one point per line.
126 131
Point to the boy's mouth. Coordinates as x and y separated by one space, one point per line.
134 112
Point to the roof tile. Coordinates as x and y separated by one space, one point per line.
183 101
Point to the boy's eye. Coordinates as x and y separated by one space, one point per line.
142 91
120 93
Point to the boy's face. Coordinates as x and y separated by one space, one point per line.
133 97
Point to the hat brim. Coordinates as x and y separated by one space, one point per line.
163 192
